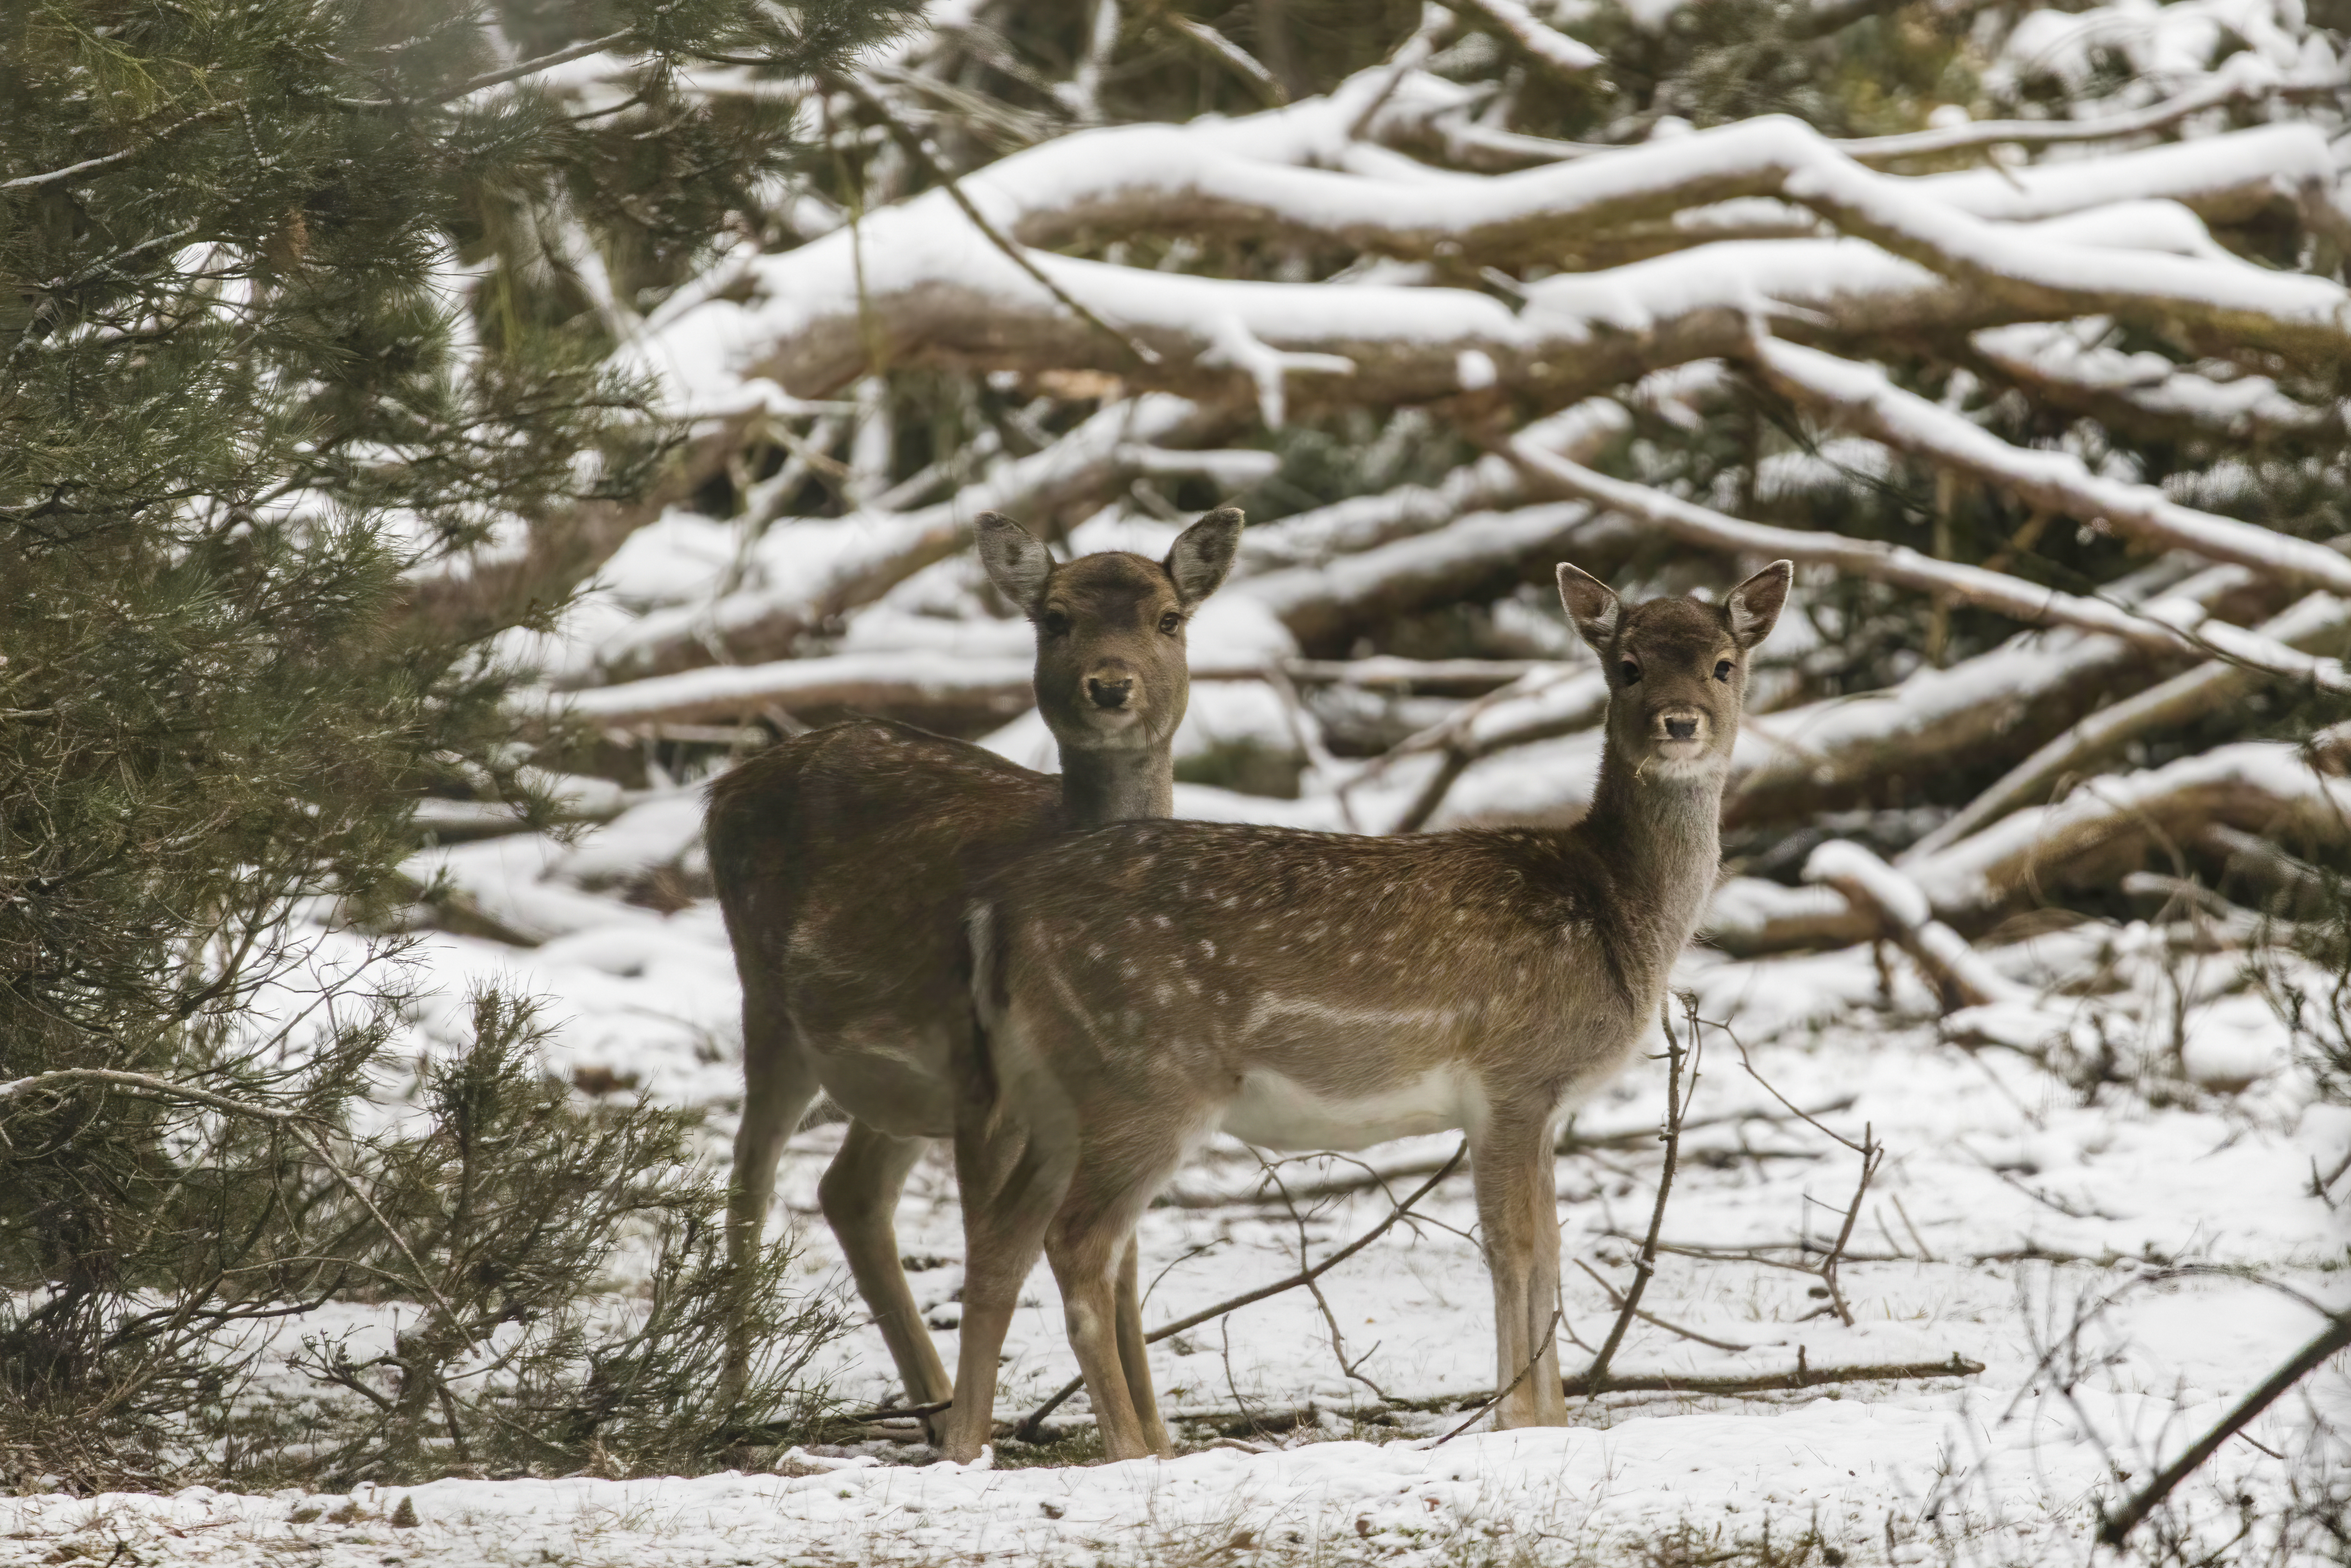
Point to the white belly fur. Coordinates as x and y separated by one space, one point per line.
1277 1112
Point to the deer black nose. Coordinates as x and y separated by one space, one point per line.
1108 694
1681 729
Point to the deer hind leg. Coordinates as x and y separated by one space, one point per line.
1089 1245
860 1196
1011 1184
778 1083
1131 1354
1517 1212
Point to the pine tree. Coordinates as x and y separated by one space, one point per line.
297 298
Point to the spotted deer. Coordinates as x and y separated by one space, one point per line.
844 859
1139 987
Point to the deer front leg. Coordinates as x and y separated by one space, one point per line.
1542 1294
1009 1192
777 1084
860 1196
1131 1354
1517 1208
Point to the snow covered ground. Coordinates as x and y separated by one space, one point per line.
2094 1258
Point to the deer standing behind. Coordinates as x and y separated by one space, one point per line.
1141 986
844 859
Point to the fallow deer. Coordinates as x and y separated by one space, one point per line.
1138 988
844 859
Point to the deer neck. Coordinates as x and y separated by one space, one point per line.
1663 837
1118 786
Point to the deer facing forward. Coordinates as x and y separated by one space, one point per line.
844 859
1141 986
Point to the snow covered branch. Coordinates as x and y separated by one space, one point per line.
1860 397
1988 589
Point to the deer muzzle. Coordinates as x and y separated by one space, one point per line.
1688 726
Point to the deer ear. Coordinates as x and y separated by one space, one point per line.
1590 605
1201 554
1015 562
1755 605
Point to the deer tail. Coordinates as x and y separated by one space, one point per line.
983 957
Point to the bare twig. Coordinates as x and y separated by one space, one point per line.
1616 1300
916 149
1352 1372
1645 1262
1872 1154
1550 1330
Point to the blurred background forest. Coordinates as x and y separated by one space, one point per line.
438 438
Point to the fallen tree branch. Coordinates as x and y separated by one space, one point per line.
1905 567
1901 910
2241 79
1481 555
1803 1374
1026 1430
1860 397
2141 394
2106 827
869 682
1361 523
2090 840
877 551
489 590
2187 696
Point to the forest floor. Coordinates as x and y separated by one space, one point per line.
2122 1262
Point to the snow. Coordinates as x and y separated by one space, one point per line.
1991 1157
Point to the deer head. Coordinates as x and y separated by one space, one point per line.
1112 670
1676 669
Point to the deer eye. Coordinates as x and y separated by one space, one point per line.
1170 622
1056 623
1628 672
1722 671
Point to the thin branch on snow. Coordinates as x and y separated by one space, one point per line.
1679 1059
2331 1341
1227 53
